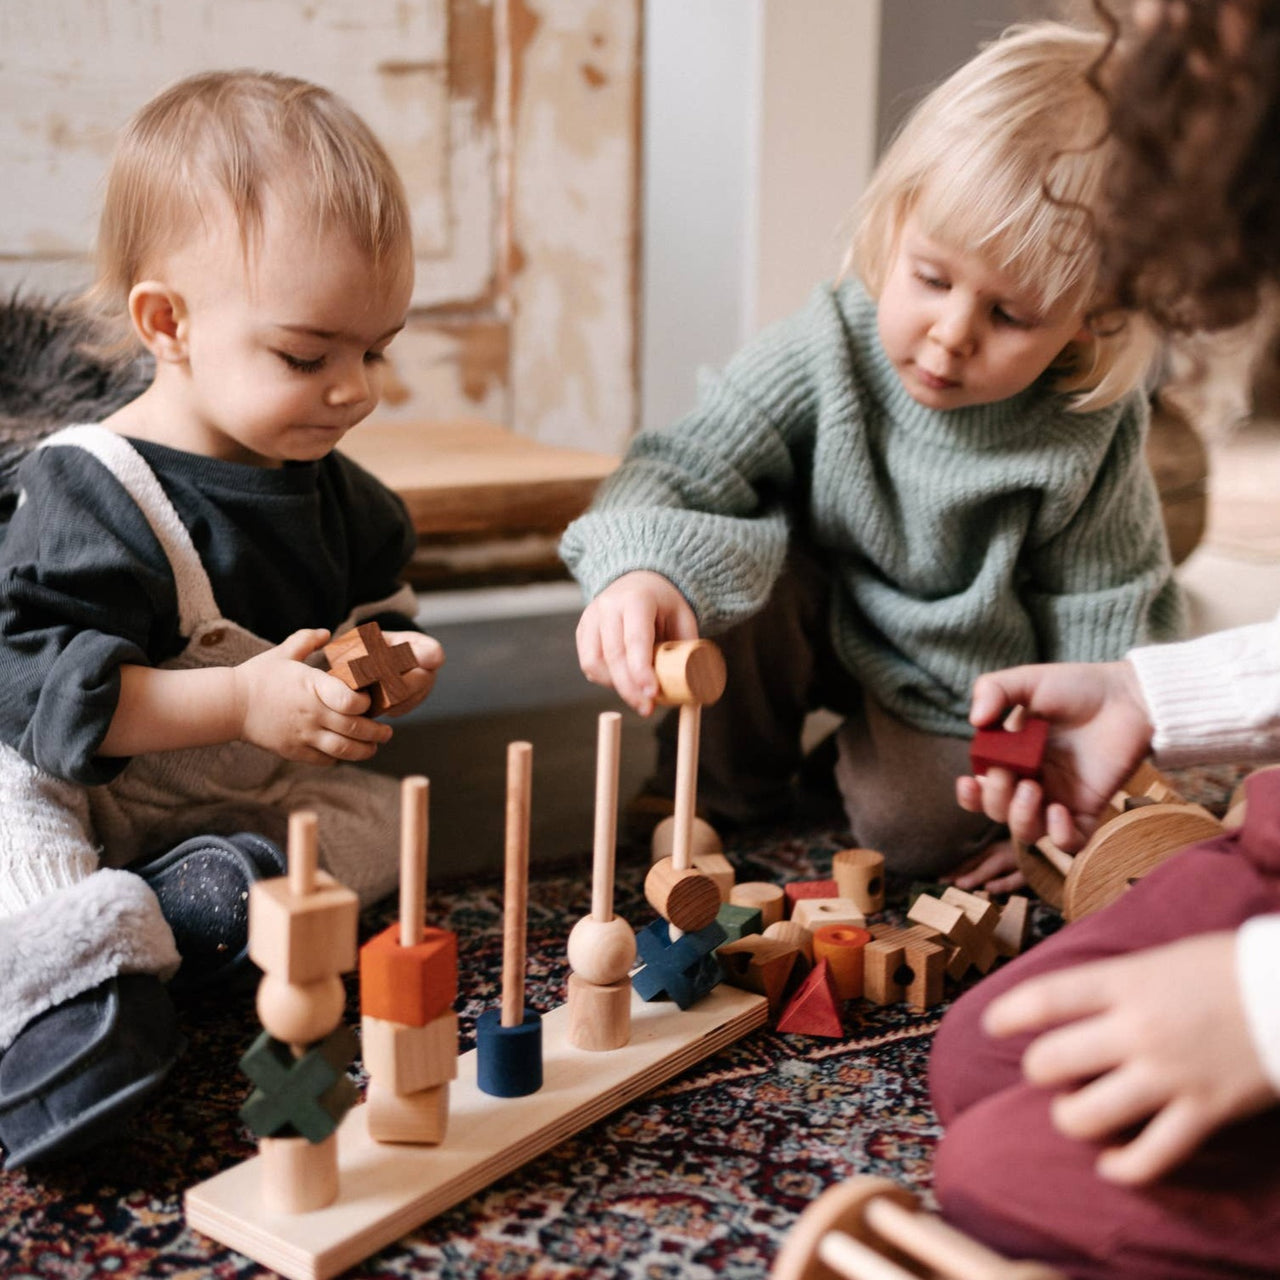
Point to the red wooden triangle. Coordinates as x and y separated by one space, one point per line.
814 1010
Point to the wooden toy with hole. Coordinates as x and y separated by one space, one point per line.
873 1229
1146 822
312 1213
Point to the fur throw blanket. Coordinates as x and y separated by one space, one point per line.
48 380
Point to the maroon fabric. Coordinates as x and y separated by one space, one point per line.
1004 1173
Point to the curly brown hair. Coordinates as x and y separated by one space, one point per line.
1191 221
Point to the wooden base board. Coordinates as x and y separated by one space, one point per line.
386 1191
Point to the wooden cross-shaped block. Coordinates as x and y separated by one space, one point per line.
362 659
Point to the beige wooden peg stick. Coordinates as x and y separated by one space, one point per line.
303 853
414 795
516 885
604 846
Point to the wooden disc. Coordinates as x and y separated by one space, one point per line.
838 1208
1127 848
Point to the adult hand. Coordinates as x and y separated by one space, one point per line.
620 628
1099 731
1157 1038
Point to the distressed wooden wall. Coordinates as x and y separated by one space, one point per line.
515 124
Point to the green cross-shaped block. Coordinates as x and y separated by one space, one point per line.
304 1096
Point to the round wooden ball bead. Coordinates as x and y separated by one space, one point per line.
300 1012
602 951
703 838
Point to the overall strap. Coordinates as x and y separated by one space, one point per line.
196 603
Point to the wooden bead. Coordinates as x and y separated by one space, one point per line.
794 934
301 938
300 1013
689 672
406 1059
602 952
412 985
297 1175
859 875
759 893
812 913
842 947
687 899
599 1015
421 1117
703 839
508 1059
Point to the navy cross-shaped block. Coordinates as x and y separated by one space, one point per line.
304 1096
684 970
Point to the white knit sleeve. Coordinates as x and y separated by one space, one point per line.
1216 698
1258 969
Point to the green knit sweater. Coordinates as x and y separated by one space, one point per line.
958 542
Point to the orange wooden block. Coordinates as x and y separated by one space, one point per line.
412 985
408 1059
814 1010
760 964
842 947
302 938
362 659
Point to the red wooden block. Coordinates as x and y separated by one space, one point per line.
814 1010
798 889
1018 750
362 659
412 985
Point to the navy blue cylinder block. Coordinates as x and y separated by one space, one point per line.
508 1059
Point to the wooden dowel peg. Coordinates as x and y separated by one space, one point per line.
414 795
686 798
516 884
303 853
604 848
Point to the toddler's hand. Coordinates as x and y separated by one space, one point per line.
428 653
994 869
1157 1038
620 628
300 712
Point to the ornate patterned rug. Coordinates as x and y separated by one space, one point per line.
703 1177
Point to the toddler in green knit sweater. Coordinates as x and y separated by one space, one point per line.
934 470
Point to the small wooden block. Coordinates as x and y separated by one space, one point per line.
302 1096
509 1059
689 672
883 957
412 985
813 913
362 659
737 921
814 1010
304 938
719 868
794 935
1010 935
599 1016
843 947
421 1117
982 912
859 875
769 898
927 960
407 1059
685 897
760 964
799 890
1021 751
974 947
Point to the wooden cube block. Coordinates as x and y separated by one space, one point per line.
759 893
304 938
737 921
407 1117
974 947
719 868
799 890
883 958
412 985
1010 935
1018 750
813 913
926 958
982 912
408 1059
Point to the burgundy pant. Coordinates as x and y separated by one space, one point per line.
1006 1176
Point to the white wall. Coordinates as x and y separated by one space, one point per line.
759 121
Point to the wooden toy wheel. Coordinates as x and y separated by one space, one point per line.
1127 848
838 1208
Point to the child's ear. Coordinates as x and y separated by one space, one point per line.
159 318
